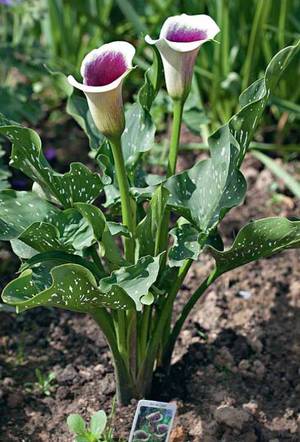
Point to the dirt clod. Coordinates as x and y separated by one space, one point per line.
231 416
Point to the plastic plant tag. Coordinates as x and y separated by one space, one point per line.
152 421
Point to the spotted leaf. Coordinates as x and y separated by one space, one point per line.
151 223
186 244
135 280
77 185
138 135
204 193
254 99
102 232
18 210
259 239
139 132
73 287
67 231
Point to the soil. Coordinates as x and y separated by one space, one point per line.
235 371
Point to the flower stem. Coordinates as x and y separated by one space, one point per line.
175 136
162 234
127 213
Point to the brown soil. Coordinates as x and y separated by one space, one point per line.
235 372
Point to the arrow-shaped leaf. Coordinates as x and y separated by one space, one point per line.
73 287
77 185
204 193
18 210
259 239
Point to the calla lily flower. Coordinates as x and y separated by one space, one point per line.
179 41
103 71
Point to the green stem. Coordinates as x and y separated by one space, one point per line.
162 234
172 295
152 347
281 23
121 331
185 312
144 332
96 258
124 384
127 213
175 136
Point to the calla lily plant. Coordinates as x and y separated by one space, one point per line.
117 243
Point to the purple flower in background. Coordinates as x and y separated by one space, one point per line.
179 41
50 153
103 71
6 2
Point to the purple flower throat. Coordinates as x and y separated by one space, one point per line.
185 35
106 68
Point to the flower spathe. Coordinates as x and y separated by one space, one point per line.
103 71
179 41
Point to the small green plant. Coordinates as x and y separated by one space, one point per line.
100 428
44 382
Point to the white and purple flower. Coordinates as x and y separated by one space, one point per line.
179 41
103 71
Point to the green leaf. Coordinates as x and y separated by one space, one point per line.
194 118
205 193
147 299
98 423
259 239
138 135
254 99
73 287
102 233
78 108
117 229
22 250
68 231
139 132
4 172
76 424
147 229
153 81
135 280
77 185
18 210
81 439
186 244
58 257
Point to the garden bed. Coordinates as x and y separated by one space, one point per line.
235 372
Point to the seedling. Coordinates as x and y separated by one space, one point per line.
100 428
45 382
123 261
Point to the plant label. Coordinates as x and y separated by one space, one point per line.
152 421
